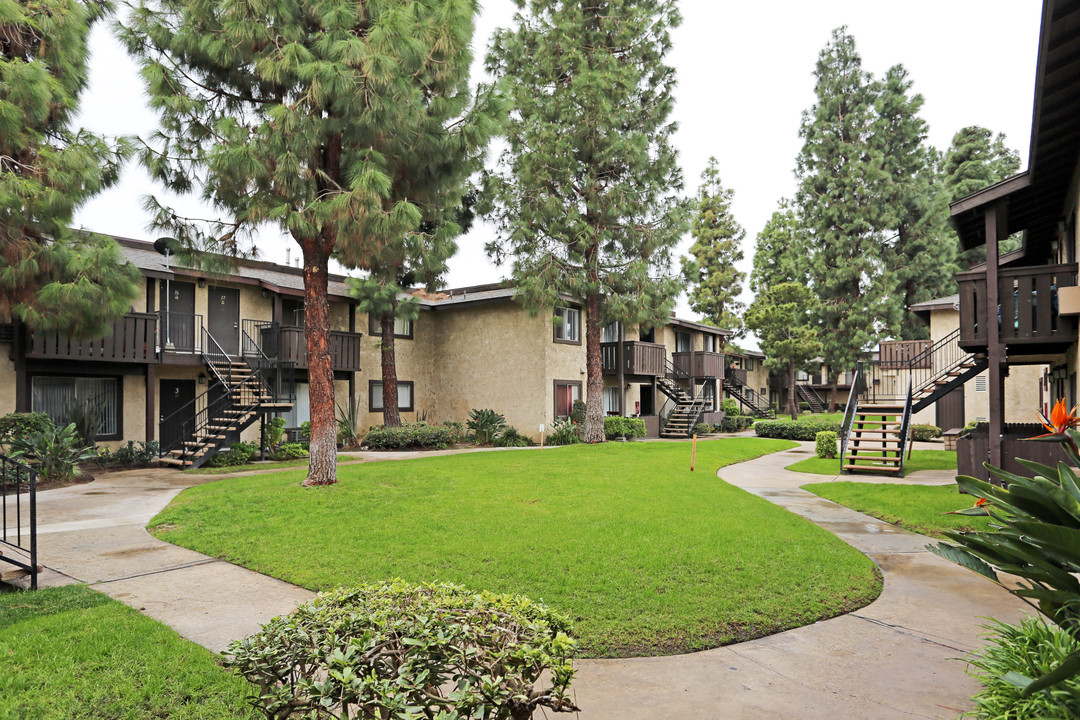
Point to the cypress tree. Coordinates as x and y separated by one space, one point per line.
842 178
346 124
51 277
585 196
781 250
782 318
710 271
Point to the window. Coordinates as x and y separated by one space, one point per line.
682 341
764 392
57 397
710 397
980 383
712 343
402 328
568 325
404 396
801 376
610 333
611 400
292 312
648 335
566 392
749 363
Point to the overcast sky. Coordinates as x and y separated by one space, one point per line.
744 71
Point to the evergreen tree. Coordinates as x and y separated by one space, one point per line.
919 260
843 178
781 250
50 276
782 316
977 159
346 124
715 283
585 197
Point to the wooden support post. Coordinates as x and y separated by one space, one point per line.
693 453
995 314
151 402
620 360
22 377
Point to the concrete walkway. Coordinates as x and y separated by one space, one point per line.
895 658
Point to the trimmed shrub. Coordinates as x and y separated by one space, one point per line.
16 425
419 651
239 453
730 406
924 433
289 451
485 425
703 429
806 430
623 427
131 454
410 435
577 412
734 423
512 438
826 444
1031 649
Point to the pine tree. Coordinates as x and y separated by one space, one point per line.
919 261
842 178
976 159
346 124
715 283
782 316
781 250
585 197
51 277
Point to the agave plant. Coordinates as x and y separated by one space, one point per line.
485 425
54 453
1035 536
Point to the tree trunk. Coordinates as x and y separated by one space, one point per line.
594 396
322 465
390 414
792 403
832 394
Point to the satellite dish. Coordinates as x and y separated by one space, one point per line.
165 245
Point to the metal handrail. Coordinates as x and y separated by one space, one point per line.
850 410
905 429
9 468
212 350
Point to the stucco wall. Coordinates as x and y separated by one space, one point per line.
412 359
7 380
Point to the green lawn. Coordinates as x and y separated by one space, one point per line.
300 462
919 460
72 653
919 508
645 556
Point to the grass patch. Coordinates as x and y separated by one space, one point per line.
919 508
72 652
279 465
645 556
919 460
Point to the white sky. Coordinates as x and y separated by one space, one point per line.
744 71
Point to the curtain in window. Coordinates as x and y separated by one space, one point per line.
402 327
56 396
682 342
565 395
570 327
404 395
611 333
611 400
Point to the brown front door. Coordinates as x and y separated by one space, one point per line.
950 410
223 318
175 425
178 316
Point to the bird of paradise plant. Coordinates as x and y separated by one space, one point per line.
1059 422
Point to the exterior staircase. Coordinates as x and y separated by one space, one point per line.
688 407
875 440
244 392
755 404
809 396
955 376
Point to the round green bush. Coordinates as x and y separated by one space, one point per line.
825 442
923 433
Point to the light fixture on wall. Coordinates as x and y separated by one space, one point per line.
202 282
265 293
202 378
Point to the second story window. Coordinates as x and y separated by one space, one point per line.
610 333
402 328
568 325
710 344
683 342
749 363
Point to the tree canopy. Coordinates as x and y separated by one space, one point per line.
782 316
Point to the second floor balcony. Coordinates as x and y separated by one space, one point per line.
700 363
639 358
1027 313
288 343
133 339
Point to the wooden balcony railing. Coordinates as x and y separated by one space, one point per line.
1028 310
700 364
901 353
736 375
344 348
133 340
640 358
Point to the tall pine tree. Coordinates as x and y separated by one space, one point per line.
782 316
976 159
346 124
919 261
50 276
842 178
781 250
715 283
586 194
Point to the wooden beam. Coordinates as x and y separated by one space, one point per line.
994 221
620 361
151 402
991 194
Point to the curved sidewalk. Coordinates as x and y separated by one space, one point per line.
895 658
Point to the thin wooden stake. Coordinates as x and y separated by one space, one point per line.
693 453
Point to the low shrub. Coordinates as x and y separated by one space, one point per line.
54 453
239 453
1031 649
275 432
16 425
826 444
577 412
485 425
399 650
565 432
289 451
410 435
512 438
734 423
616 426
924 433
131 454
805 429
703 429
730 407
804 407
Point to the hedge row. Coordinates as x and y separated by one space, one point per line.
411 435
795 429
